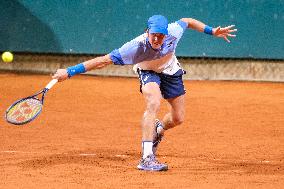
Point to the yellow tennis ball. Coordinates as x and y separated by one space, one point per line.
7 57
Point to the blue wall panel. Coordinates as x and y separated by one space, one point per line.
99 26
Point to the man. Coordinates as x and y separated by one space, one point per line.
160 74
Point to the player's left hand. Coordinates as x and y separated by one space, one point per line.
224 32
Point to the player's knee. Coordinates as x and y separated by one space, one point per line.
153 105
178 120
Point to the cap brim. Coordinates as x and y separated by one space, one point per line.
158 30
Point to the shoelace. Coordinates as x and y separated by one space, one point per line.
152 161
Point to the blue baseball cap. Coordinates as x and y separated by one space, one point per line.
158 24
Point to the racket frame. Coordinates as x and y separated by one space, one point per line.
43 91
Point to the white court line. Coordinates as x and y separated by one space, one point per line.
126 156
122 156
9 151
87 154
266 161
22 152
248 161
81 154
239 160
19 152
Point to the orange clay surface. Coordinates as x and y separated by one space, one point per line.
88 136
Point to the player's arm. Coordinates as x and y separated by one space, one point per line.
223 32
122 56
95 63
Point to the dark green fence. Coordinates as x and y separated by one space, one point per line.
98 26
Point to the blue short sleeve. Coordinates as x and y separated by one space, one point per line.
176 29
116 57
182 24
125 54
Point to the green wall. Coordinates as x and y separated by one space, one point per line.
99 26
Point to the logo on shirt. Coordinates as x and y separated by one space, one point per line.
145 79
170 44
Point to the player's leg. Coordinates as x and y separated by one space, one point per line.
176 114
173 91
151 92
152 95
173 118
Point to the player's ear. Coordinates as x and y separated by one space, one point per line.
147 32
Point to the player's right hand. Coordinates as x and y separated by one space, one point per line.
60 74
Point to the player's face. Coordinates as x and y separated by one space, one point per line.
156 40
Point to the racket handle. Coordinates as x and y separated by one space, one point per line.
51 83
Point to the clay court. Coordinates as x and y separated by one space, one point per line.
88 136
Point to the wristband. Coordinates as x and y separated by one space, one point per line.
208 30
77 69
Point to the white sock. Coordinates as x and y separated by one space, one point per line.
147 147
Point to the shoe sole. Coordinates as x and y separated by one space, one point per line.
152 169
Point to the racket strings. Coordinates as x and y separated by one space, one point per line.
24 110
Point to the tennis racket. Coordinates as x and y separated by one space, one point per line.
27 109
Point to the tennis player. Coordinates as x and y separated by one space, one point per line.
160 74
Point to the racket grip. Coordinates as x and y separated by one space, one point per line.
51 83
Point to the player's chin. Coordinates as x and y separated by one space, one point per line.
156 46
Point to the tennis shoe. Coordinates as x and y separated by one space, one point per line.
150 163
158 138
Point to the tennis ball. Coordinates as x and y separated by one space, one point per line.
7 57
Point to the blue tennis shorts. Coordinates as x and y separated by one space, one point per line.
170 85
